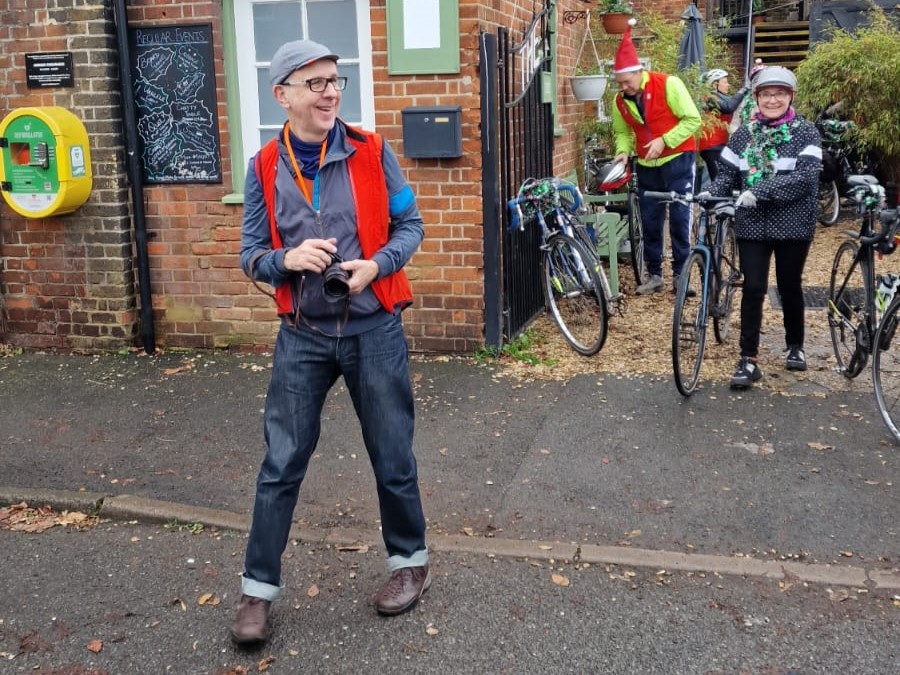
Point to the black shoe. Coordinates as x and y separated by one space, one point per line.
746 373
796 359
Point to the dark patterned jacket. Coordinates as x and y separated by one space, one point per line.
787 200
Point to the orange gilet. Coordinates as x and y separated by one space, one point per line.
659 118
372 214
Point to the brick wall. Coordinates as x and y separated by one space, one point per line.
69 282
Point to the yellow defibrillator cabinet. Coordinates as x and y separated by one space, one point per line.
45 161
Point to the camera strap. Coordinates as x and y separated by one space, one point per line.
298 314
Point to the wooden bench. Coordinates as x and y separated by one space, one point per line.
610 228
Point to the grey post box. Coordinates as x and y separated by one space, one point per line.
432 132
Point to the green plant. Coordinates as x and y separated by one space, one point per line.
519 349
614 7
863 71
177 526
759 6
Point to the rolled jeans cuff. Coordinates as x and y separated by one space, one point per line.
258 589
417 559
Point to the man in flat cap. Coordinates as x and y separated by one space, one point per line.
330 222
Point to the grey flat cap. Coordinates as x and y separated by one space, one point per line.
297 54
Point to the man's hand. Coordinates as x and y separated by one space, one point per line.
362 273
313 255
621 157
746 199
655 148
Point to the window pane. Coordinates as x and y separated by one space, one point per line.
266 135
351 109
333 23
269 110
274 24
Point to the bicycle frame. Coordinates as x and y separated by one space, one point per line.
846 316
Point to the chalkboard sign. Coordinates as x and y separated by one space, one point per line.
172 69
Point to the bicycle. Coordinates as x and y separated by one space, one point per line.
886 361
602 178
852 309
575 286
839 162
709 278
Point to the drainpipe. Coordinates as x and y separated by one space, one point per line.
135 175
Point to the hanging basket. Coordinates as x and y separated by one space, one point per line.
615 24
588 87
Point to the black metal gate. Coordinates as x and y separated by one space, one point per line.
517 143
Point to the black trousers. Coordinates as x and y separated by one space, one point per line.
790 257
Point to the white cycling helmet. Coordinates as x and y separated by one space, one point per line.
775 76
714 76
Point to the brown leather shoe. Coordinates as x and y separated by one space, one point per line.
403 590
251 627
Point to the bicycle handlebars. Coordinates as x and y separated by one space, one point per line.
687 197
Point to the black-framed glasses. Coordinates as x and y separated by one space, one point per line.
319 84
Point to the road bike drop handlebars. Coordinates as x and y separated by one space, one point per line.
543 194
690 197
869 196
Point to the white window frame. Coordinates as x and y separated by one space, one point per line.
247 68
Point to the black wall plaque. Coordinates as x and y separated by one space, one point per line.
53 69
175 92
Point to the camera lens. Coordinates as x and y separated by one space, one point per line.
336 285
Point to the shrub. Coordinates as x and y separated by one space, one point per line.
863 71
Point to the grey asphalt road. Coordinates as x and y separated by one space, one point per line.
134 590
619 475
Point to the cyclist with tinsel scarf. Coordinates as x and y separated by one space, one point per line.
773 161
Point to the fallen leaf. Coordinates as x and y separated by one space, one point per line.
431 630
544 547
847 554
208 599
443 452
265 663
468 531
560 580
633 534
313 591
819 446
95 646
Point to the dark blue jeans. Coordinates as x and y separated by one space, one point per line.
678 175
375 366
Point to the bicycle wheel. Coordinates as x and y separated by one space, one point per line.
847 321
829 203
636 237
574 293
729 277
886 369
689 323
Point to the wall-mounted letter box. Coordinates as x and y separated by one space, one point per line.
432 132
45 162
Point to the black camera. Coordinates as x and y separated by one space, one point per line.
336 282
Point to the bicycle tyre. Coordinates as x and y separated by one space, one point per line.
848 294
729 276
636 237
829 203
574 294
886 369
689 323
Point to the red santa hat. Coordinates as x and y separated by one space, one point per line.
627 60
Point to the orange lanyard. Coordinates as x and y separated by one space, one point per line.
301 183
